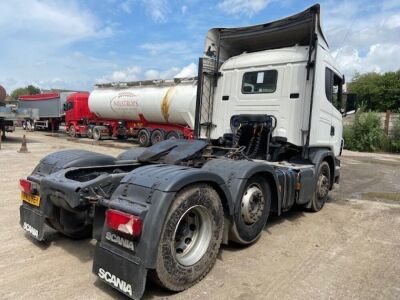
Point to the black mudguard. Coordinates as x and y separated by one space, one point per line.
56 190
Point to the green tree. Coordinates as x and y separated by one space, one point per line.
378 92
28 90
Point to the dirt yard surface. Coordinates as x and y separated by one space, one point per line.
349 250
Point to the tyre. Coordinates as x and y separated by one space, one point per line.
157 136
252 212
97 133
90 132
72 131
144 138
190 239
322 188
174 135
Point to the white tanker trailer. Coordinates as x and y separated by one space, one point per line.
158 102
149 110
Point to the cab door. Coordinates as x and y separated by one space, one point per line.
333 90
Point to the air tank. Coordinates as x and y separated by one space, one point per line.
165 102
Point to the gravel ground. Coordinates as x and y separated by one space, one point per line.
351 249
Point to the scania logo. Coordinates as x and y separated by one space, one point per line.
115 281
31 230
119 240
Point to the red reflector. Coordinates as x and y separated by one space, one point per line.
124 222
25 185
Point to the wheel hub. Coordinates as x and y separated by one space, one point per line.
253 203
323 186
192 235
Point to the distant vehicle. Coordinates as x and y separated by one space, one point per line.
10 113
150 115
50 107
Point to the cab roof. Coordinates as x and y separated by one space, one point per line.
294 30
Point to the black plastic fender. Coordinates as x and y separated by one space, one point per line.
318 155
235 174
70 158
148 191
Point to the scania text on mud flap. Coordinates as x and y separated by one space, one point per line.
268 138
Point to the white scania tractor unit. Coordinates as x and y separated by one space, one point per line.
268 137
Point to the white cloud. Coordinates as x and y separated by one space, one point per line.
184 9
242 7
379 58
172 48
363 36
124 75
188 71
61 22
157 9
134 73
126 6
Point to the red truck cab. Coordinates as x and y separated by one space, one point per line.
77 113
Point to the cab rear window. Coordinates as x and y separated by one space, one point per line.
259 82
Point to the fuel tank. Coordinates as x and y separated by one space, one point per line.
161 102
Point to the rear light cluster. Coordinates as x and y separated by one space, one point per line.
25 185
124 222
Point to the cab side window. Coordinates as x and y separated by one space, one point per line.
333 87
259 82
68 106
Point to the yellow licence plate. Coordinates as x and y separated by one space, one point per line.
31 199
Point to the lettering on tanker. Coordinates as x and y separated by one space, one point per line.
124 102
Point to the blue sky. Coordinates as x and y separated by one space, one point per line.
75 44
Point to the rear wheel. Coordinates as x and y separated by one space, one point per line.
144 138
72 131
190 238
322 188
252 212
174 135
157 136
90 132
97 133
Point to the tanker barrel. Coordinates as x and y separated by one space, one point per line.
173 103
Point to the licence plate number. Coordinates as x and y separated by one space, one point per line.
31 199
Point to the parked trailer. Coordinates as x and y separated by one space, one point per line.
114 111
268 138
9 114
50 107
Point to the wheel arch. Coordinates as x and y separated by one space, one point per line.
275 203
318 155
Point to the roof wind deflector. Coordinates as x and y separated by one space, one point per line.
287 32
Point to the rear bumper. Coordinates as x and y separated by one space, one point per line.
120 272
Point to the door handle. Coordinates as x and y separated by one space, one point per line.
332 131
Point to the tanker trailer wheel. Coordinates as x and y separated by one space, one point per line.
322 188
72 131
252 211
175 135
97 133
157 136
89 132
190 238
144 138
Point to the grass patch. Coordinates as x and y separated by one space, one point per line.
382 195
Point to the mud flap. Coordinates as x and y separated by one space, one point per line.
32 221
119 272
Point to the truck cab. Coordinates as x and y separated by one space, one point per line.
77 113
